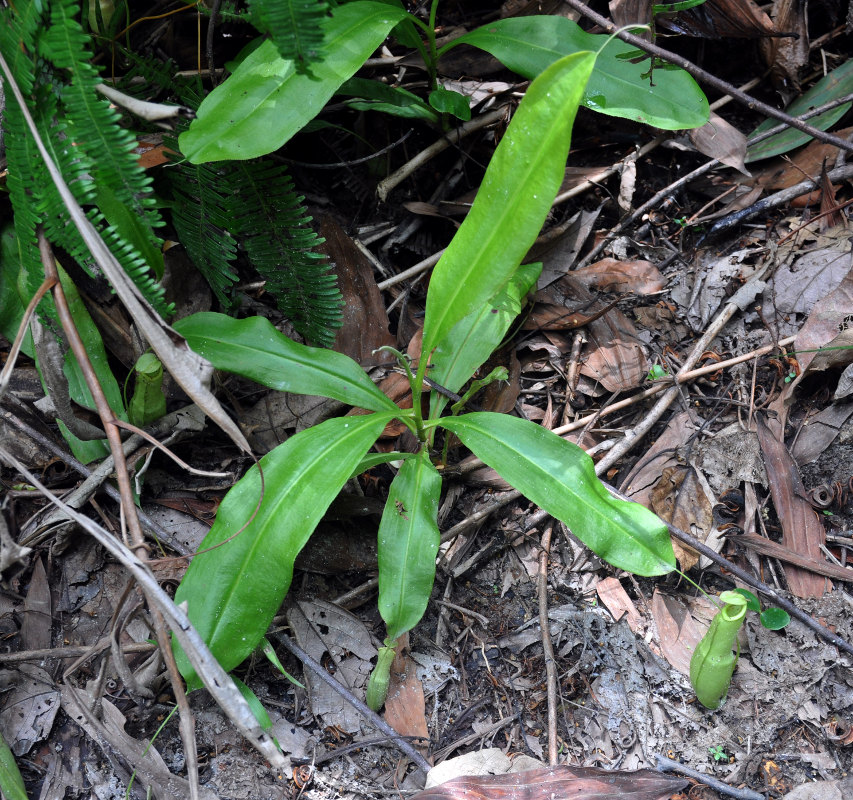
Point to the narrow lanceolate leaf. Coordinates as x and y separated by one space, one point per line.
253 348
408 543
518 188
473 339
559 477
266 100
233 591
833 86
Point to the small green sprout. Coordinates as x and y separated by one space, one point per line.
656 373
718 753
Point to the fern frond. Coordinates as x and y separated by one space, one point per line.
274 228
18 31
23 160
201 218
143 73
294 27
25 168
90 118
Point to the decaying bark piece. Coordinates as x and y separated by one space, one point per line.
579 783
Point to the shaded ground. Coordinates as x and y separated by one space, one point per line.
476 668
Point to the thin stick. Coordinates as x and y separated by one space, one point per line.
547 646
73 651
747 578
696 173
668 765
417 269
157 530
778 199
681 377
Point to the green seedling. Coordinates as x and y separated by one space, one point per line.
719 753
656 373
234 587
713 662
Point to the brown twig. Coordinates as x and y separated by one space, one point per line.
660 196
667 764
547 646
750 580
775 200
137 539
73 651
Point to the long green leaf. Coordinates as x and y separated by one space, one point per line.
836 84
266 101
518 188
559 477
668 99
408 543
473 339
11 782
233 591
254 349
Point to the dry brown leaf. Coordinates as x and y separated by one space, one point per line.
786 56
721 140
612 275
405 706
807 282
802 531
783 172
321 627
612 354
678 633
558 249
828 322
365 324
716 19
680 499
630 12
819 432
773 549
615 599
501 396
37 617
639 483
